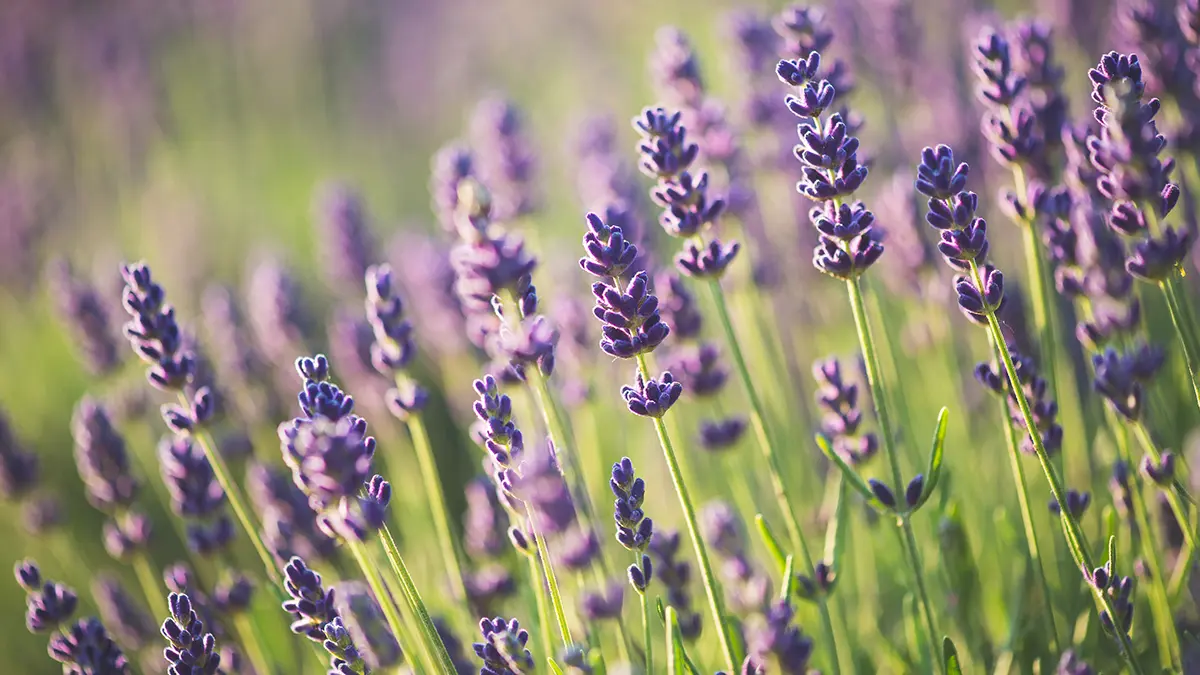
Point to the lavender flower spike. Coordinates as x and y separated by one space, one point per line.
191 650
503 650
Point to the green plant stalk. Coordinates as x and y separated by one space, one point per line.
1175 307
796 537
556 602
672 639
1174 500
545 637
236 501
1071 529
646 636
427 464
249 637
375 581
1164 624
689 515
1034 550
433 642
867 344
147 580
1044 316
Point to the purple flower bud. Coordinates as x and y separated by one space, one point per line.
652 398
883 493
1161 472
912 493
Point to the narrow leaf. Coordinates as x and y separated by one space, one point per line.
851 475
1112 552
554 667
658 606
935 458
769 540
789 578
673 659
950 657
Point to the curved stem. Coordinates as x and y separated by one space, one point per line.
867 344
551 581
433 488
251 643
432 640
1175 307
147 580
1035 556
1071 529
796 536
689 515
390 612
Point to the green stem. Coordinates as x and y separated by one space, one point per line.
543 611
1035 556
645 602
796 536
148 580
432 639
1175 306
1039 290
251 643
689 515
236 501
867 344
1071 529
433 488
1164 624
390 613
672 638
552 581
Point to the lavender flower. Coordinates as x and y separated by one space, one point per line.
279 319
634 530
1120 377
101 457
126 534
722 434
1071 664
393 348
344 235
130 623
541 486
1132 176
195 494
191 650
773 637
452 165
676 574
80 308
18 467
504 157
503 650
233 594
746 587
289 522
630 319
699 369
328 450
831 172
237 359
488 585
47 604
86 647
1034 387
603 604
1077 503
651 397
310 605
153 330
842 417
963 235
1009 127
498 434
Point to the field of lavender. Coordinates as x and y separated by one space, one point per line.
333 328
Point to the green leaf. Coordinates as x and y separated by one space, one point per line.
769 540
554 667
789 578
851 475
658 605
950 657
1112 552
673 659
935 458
